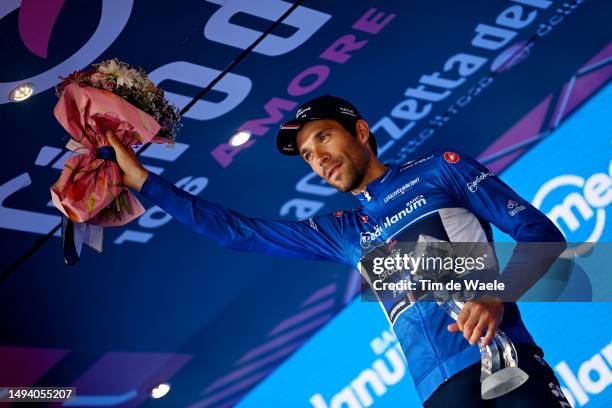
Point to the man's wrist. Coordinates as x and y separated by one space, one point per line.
488 297
140 179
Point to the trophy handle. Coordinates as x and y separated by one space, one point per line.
496 379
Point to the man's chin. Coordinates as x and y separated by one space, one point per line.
345 183
340 187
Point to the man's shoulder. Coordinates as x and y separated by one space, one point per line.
342 215
436 158
422 162
341 221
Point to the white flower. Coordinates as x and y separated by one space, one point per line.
108 67
126 77
123 74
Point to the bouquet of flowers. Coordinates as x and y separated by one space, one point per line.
109 96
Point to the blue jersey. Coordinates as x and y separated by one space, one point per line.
445 195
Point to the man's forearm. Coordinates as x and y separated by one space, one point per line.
529 262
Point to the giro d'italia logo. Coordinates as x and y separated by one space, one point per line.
36 20
577 205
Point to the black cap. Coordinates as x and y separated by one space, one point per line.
323 107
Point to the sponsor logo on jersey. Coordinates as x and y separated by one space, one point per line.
400 191
413 162
451 157
339 214
473 185
364 219
514 207
368 237
411 205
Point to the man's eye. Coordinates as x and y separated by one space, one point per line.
324 136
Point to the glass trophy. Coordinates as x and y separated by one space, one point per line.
500 373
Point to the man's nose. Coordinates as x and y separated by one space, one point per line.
322 157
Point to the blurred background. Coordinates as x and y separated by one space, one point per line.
523 85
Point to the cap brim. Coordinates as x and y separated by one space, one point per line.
286 138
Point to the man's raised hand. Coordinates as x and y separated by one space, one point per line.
134 174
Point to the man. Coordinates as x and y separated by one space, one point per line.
444 195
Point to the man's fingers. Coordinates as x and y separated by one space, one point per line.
475 318
112 139
489 335
121 151
469 326
134 174
478 332
462 317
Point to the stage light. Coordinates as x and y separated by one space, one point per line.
160 391
21 93
240 138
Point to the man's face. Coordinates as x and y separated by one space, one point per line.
333 153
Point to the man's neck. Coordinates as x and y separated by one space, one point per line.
375 170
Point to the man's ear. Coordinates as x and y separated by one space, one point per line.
363 131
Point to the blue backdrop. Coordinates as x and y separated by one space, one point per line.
575 336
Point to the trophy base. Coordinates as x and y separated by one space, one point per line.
502 382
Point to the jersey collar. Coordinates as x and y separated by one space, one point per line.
370 194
